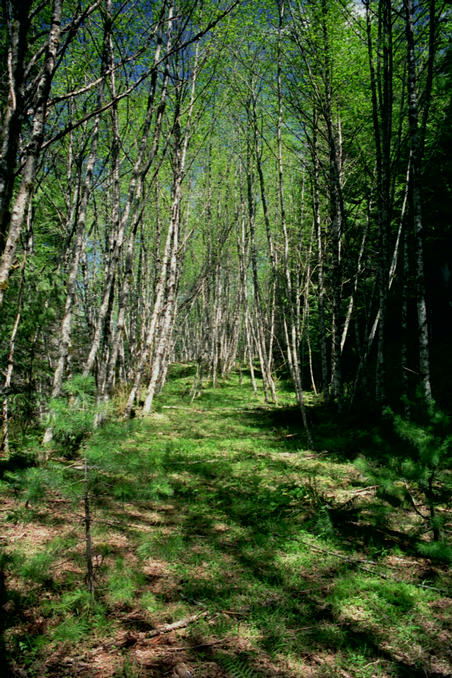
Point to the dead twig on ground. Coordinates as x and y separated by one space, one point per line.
182 623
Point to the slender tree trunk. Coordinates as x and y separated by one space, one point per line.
404 325
320 274
290 328
416 207
359 268
179 162
4 442
17 20
244 301
133 206
257 321
66 325
390 280
336 211
132 210
25 191
267 350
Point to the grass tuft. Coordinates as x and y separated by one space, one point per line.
293 562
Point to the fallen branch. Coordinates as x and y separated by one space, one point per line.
361 490
197 461
13 538
356 493
131 638
313 456
182 623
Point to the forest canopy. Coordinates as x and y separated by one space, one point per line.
214 182
241 209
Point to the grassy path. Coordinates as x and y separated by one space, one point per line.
212 516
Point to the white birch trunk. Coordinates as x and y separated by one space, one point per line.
25 191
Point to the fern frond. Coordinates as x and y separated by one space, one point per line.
237 667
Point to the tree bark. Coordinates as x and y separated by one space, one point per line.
25 191
416 206
17 16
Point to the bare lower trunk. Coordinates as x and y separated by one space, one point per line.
166 327
66 325
169 271
133 206
359 268
242 253
257 320
4 442
404 326
416 160
320 265
291 330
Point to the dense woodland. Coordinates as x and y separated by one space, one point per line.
253 190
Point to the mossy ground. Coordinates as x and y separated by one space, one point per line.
294 564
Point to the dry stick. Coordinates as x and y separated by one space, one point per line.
414 505
353 496
160 630
11 539
199 461
231 613
314 456
182 623
365 489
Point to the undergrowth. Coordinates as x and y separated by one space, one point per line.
285 561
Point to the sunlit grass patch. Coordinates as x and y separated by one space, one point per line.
149 602
217 508
71 630
391 611
161 544
123 583
296 555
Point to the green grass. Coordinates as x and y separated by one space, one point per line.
218 507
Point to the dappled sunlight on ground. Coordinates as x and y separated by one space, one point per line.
271 557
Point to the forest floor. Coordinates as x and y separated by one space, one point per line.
222 547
